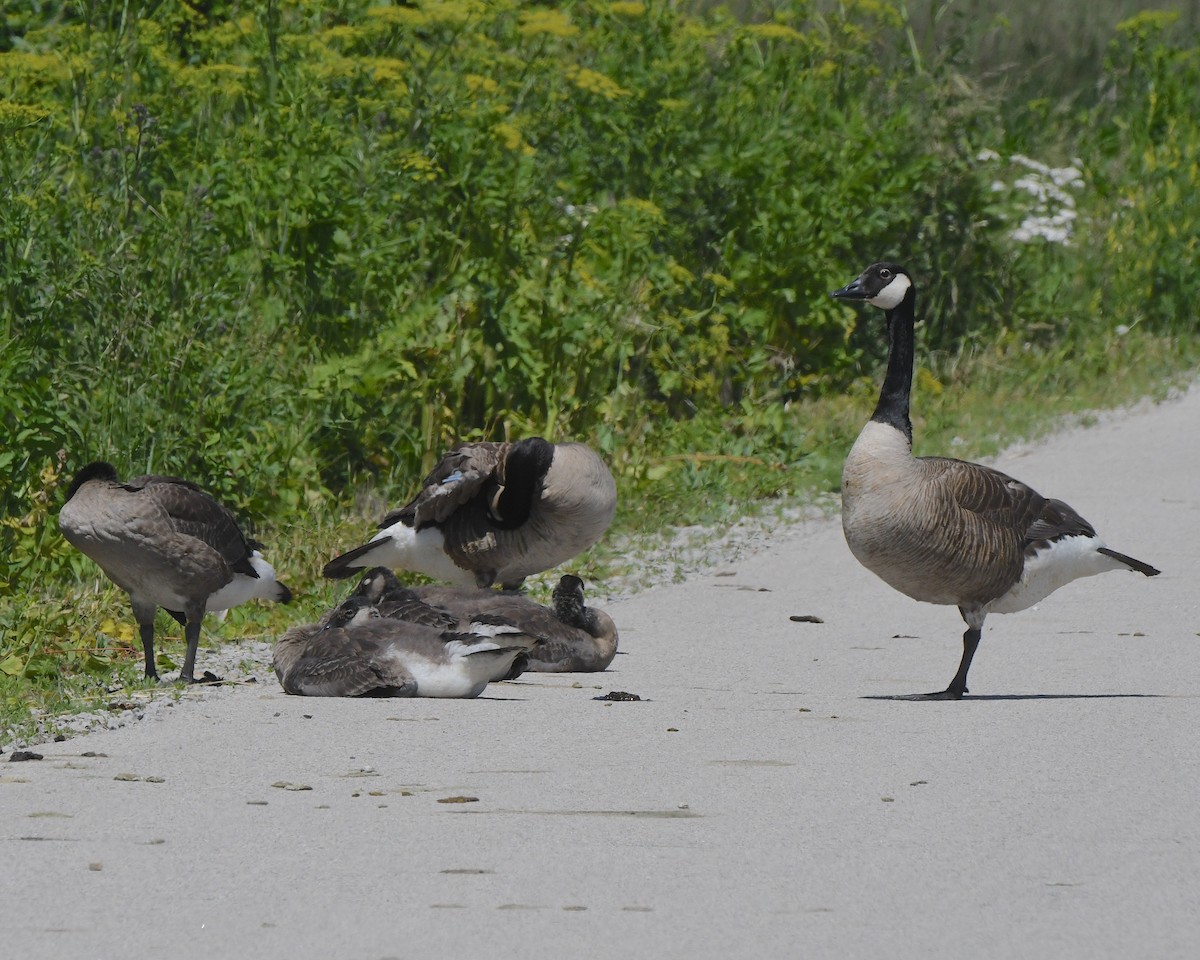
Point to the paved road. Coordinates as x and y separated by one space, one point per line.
757 802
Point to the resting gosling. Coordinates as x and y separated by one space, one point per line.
948 531
567 637
377 657
166 543
494 513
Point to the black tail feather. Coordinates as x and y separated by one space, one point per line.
1132 564
343 566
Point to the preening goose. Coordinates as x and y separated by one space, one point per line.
378 657
948 531
166 543
567 637
494 513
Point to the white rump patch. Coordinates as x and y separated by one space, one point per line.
890 296
1063 561
242 588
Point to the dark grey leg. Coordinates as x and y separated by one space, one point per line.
147 632
958 686
143 613
191 633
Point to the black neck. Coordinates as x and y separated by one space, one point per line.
524 469
892 407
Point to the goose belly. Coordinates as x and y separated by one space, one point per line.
547 540
1054 566
905 564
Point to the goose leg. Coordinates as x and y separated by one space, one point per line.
144 615
191 633
958 686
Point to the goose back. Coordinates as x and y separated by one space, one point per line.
568 507
163 541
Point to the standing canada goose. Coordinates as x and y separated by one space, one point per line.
568 637
377 657
494 513
947 531
166 543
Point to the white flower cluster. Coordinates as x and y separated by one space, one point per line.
1046 204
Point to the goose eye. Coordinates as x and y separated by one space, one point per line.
885 274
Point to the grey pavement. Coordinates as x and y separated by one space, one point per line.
758 801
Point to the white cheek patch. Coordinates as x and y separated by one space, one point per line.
890 296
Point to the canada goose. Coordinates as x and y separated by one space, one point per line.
948 531
568 637
166 543
387 658
494 513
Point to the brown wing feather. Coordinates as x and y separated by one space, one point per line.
336 663
983 541
195 513
459 477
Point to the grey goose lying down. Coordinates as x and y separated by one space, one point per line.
494 513
948 531
168 544
567 637
359 654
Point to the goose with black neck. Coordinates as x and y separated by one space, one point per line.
948 531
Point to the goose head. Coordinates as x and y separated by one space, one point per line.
375 584
98 470
884 285
567 600
353 610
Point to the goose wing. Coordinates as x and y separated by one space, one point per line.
1028 518
466 470
983 524
194 513
334 663
510 612
405 605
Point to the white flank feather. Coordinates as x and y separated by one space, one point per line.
242 588
461 675
401 547
1063 561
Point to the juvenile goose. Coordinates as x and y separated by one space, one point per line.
381 595
494 513
387 658
948 531
568 637
166 543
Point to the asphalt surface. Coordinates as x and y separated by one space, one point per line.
761 800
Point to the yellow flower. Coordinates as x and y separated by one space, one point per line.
720 281
553 23
418 166
646 207
627 9
928 383
43 66
476 84
226 79
14 116
774 31
512 138
590 81
386 68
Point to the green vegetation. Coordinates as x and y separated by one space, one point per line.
292 249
